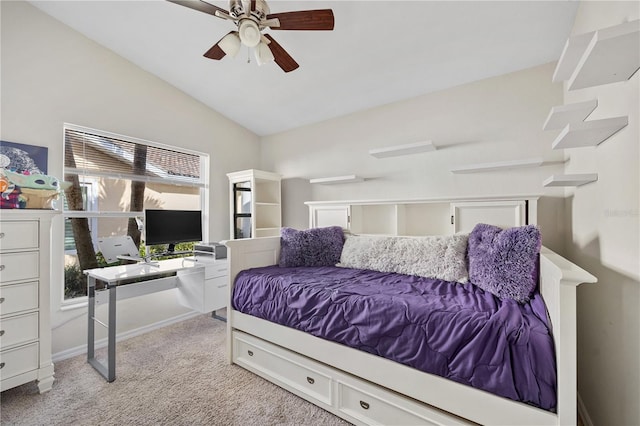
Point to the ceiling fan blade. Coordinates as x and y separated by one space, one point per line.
216 51
317 20
201 6
282 58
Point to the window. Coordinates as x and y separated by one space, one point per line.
114 178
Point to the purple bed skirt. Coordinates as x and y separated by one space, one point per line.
453 330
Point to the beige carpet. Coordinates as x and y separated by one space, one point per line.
174 376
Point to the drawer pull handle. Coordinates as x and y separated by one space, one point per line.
1 267
1 234
1 333
364 405
310 380
250 353
1 364
1 299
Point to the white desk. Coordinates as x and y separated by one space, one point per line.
202 286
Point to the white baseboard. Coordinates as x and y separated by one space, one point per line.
583 413
82 349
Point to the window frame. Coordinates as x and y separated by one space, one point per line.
93 177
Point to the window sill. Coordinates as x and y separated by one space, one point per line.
72 304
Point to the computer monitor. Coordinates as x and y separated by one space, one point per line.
172 227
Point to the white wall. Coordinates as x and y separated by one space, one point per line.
492 120
604 238
52 75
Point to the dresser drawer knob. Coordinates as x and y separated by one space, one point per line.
250 353
1 267
1 333
1 234
1 299
364 405
310 380
1 364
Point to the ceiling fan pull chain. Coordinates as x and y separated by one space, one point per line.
248 55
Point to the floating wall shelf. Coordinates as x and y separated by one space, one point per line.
561 115
502 165
588 133
605 56
336 180
570 180
573 50
407 149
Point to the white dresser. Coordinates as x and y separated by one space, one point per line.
25 269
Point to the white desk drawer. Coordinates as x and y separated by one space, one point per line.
18 297
15 235
18 360
18 266
291 370
18 329
216 270
217 287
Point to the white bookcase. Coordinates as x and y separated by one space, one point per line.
435 216
255 204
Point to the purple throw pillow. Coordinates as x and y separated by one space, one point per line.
311 247
505 261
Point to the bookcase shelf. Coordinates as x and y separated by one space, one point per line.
561 115
570 180
600 57
588 133
406 149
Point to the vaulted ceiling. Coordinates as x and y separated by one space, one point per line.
379 52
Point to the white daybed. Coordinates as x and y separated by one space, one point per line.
367 389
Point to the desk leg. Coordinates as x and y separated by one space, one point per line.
111 350
108 371
91 291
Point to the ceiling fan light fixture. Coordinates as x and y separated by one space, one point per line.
263 53
230 44
249 33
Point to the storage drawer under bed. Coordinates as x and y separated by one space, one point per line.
290 370
349 397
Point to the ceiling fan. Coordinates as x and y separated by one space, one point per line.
252 17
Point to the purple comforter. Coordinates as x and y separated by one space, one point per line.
454 330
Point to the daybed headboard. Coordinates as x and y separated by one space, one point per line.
434 216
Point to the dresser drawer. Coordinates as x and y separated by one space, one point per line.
18 266
288 369
18 297
15 235
18 329
18 360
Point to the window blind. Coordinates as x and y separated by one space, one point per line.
95 154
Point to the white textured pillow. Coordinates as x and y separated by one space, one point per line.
442 257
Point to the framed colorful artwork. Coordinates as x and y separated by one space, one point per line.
21 158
